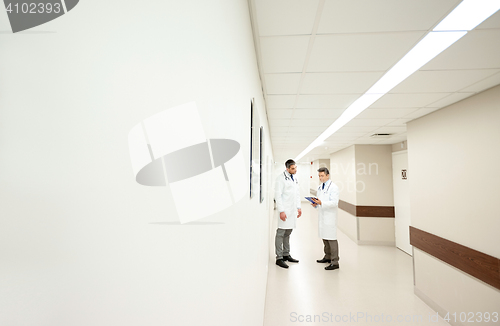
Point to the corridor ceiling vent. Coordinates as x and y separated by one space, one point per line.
381 136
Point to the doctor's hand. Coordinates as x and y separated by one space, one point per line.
300 213
283 216
317 201
314 205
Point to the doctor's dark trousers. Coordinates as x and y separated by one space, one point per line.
282 242
331 248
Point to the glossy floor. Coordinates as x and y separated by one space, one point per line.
374 285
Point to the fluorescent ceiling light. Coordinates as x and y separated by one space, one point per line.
468 14
353 110
430 46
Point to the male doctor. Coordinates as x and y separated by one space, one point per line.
287 198
327 205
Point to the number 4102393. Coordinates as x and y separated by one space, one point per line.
34 8
472 317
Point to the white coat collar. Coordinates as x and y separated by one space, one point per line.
326 183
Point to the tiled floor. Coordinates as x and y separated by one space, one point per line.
373 286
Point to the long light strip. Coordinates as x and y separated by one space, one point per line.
466 16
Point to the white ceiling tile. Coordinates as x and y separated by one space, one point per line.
400 138
317 113
453 98
349 134
338 140
283 53
366 141
389 141
339 83
308 129
286 17
358 16
362 129
390 130
492 22
274 114
479 49
279 136
483 84
407 100
368 122
282 83
326 101
323 122
444 81
298 133
280 101
360 52
385 113
291 145
278 129
420 113
399 122
280 122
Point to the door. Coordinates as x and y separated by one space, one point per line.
400 179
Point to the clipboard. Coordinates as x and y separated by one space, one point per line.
310 199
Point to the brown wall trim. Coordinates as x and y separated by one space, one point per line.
367 211
349 208
470 261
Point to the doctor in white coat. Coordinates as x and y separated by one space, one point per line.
327 205
287 196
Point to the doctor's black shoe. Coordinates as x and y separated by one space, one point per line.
324 260
331 267
281 263
290 259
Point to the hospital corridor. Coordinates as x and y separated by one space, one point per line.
374 284
189 162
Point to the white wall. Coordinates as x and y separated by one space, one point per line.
364 176
374 175
453 156
402 220
343 173
77 243
304 177
314 171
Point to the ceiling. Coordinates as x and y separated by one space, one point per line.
316 57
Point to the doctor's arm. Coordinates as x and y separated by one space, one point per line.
278 192
297 199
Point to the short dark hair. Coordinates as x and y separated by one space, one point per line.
289 163
324 170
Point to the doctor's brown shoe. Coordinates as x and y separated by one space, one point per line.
331 267
281 263
290 259
324 260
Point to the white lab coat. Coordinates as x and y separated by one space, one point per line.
327 211
287 196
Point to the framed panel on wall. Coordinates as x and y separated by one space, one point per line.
261 164
251 145
254 149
